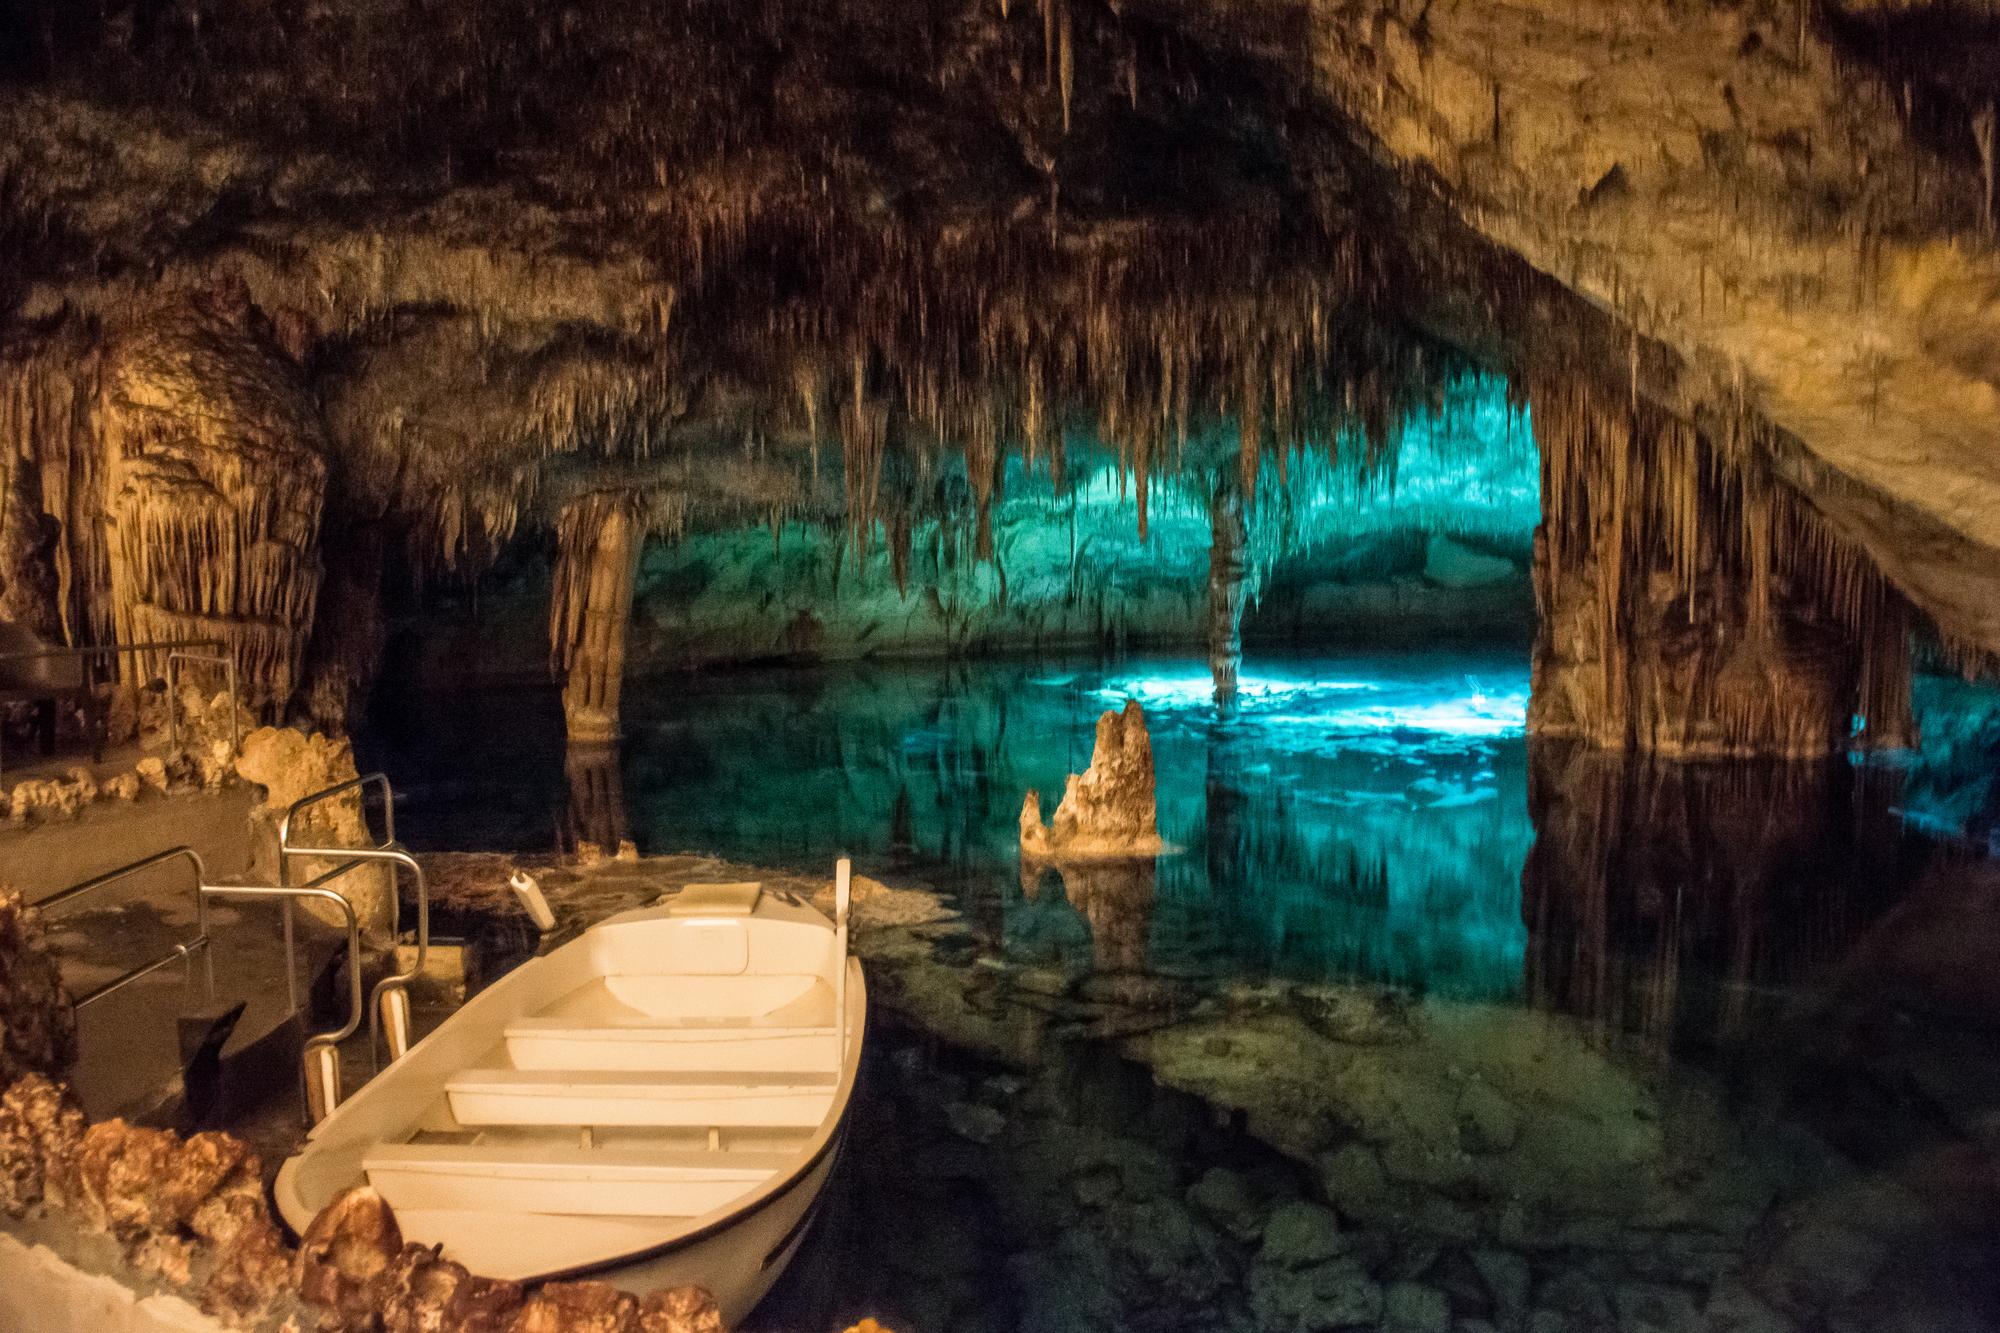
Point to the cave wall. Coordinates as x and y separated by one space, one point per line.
1737 188
166 476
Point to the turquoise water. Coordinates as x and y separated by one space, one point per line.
1360 816
1421 1023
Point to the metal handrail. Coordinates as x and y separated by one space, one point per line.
174 648
317 1044
320 1057
315 888
340 789
396 981
387 851
181 951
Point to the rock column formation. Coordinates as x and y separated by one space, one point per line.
214 476
1690 606
1109 809
1225 592
599 538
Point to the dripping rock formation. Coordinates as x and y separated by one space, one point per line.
534 283
1108 810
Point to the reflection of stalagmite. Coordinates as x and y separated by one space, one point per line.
599 538
1116 897
1109 809
594 813
1225 592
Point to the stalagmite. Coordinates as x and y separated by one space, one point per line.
598 541
1225 592
1107 811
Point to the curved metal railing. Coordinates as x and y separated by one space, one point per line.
321 1062
389 1004
181 952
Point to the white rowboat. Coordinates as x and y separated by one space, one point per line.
660 1101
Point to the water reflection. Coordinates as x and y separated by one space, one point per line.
1358 817
1682 903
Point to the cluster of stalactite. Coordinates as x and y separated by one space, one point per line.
1690 605
164 481
1155 350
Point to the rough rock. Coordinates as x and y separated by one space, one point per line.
1649 156
970 1120
577 1307
1411 1307
1108 810
40 1022
122 787
40 1128
152 771
290 764
345 1249
1225 1198
681 1310
1354 1182
419 1291
1301 1234
135 1180
1487 1122
1336 1294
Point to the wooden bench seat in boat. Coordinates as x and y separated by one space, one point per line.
663 1098
717 1044
565 1179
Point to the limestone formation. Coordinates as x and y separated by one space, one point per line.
37 1020
290 764
214 476
599 541
347 1247
41 1126
1108 810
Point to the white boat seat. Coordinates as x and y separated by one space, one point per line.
552 1179
715 899
714 1044
662 1098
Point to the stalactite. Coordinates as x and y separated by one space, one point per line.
1690 604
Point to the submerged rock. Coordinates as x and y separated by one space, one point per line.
1336 1294
1225 1198
1301 1234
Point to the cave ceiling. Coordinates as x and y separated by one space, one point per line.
523 249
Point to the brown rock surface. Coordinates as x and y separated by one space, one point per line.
577 1307
40 1023
41 1126
290 764
348 1246
1109 809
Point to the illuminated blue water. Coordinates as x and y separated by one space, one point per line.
1357 816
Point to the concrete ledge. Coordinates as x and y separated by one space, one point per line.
41 1290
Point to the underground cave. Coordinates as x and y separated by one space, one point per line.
989 665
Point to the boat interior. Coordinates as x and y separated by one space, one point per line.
615 1094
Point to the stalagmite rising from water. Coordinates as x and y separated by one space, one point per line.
599 538
1225 592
